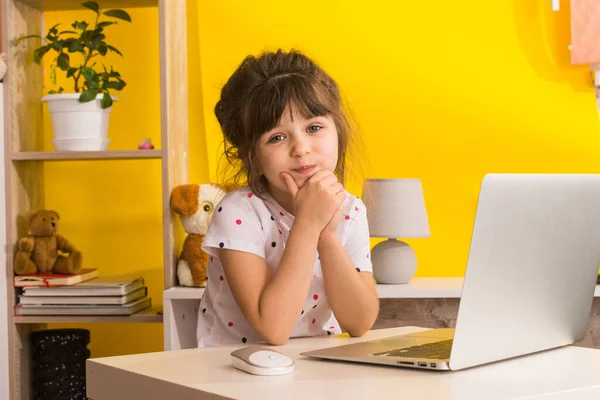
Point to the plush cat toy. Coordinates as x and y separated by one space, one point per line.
195 204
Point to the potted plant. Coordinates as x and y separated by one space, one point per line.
80 118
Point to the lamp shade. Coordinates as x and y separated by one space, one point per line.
395 208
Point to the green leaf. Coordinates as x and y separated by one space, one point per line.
93 45
111 48
53 74
88 95
71 72
105 23
102 49
63 61
106 100
53 30
81 26
67 42
58 45
113 73
60 90
93 85
114 85
69 32
84 37
17 41
75 46
92 5
97 36
39 53
89 74
118 14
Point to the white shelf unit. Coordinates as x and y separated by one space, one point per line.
180 317
423 288
25 159
181 305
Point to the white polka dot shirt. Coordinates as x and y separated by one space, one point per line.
244 222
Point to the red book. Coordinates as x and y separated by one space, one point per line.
55 279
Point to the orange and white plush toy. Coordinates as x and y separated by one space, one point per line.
195 204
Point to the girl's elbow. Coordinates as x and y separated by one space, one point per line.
358 332
276 340
360 328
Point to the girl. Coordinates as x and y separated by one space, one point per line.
289 254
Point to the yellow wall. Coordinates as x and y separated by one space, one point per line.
442 91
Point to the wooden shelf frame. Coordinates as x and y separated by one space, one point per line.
24 159
58 5
85 155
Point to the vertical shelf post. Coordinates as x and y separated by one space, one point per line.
174 118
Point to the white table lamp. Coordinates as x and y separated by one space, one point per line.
395 209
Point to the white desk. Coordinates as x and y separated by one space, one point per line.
568 373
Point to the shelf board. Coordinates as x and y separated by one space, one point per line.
150 315
417 288
181 292
55 5
422 288
85 155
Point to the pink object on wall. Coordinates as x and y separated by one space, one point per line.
585 31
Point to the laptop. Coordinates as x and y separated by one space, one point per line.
529 283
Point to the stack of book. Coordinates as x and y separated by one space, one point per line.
116 295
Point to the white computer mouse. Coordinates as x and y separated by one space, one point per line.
261 361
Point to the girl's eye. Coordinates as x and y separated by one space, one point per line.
314 128
276 138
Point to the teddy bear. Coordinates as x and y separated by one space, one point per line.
195 205
40 251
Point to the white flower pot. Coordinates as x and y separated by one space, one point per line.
78 126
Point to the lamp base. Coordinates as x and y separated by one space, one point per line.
394 262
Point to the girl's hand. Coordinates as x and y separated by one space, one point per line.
334 222
318 199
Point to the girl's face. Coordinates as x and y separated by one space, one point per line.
298 146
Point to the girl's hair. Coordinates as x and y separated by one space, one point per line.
255 97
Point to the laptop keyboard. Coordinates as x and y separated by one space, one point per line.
435 350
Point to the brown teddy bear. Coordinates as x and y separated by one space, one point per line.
195 204
39 251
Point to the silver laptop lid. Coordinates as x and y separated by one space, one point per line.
532 266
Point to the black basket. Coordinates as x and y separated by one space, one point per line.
59 363
59 339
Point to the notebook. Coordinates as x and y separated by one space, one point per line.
52 300
55 279
102 286
82 309
529 283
